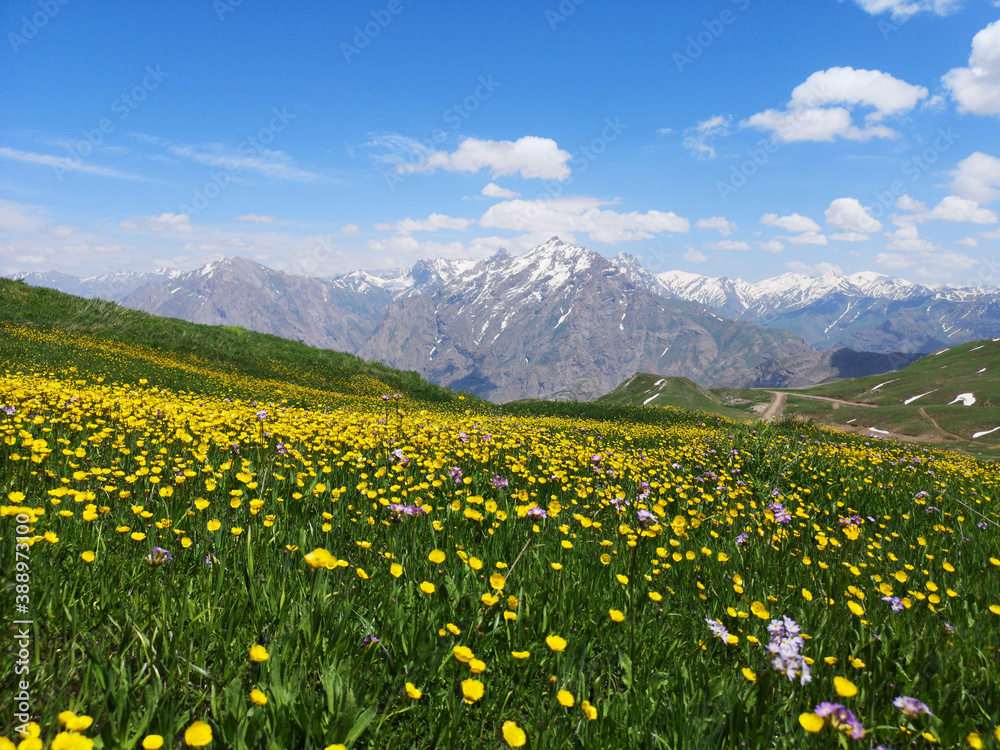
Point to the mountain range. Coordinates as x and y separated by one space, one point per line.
562 321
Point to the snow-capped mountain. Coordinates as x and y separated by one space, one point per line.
558 320
108 286
865 310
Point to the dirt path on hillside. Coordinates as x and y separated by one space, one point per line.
778 399
777 405
939 428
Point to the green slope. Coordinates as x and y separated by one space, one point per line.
643 389
241 352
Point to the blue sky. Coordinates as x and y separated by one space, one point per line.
732 137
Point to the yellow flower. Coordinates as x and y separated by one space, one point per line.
472 690
497 581
412 692
65 741
588 710
749 674
520 654
489 599
556 566
513 734
258 698
616 615
152 742
463 654
974 740
198 734
831 660
259 653
337 746
807 595
138 536
655 596
87 557
362 574
436 556
427 587
995 609
477 667
396 570
555 642
760 610
214 525
236 530
844 687
623 580
509 616
810 722
475 563
512 601
855 608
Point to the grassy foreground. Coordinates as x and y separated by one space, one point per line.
210 557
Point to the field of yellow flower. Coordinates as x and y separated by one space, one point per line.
210 559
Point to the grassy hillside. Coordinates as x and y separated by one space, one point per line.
643 389
242 353
218 557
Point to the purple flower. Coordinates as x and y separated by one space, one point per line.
10 411
646 519
742 539
983 525
911 706
369 640
262 415
718 629
783 650
280 449
895 602
781 514
840 719
456 474
401 457
210 558
498 482
535 512
158 556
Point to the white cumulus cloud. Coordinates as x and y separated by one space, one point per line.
530 156
495 191
977 177
902 9
256 218
821 108
698 140
790 223
432 223
720 223
976 88
165 222
849 215
581 214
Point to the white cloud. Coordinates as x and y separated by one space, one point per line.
976 88
952 208
268 162
849 237
726 245
350 229
165 222
807 238
955 208
907 239
495 191
902 9
969 242
977 177
530 156
810 116
724 226
581 214
665 131
432 223
771 246
256 218
848 214
63 164
991 235
790 223
694 255
698 140
817 269
21 218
